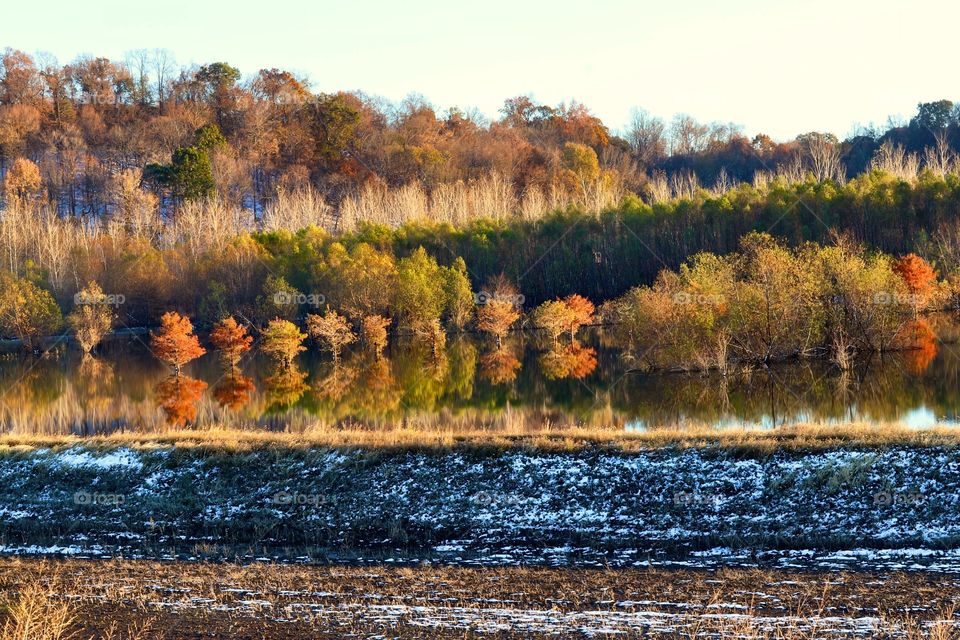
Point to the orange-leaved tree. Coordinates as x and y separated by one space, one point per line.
374 332
919 277
581 312
231 339
496 317
175 342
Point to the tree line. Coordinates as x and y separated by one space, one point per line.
91 127
426 276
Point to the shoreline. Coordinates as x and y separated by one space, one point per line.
792 438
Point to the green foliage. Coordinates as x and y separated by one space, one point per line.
459 301
767 303
581 160
191 174
218 75
27 312
282 341
208 137
278 300
420 297
333 123
214 305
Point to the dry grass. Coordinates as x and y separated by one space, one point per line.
37 611
792 438
152 600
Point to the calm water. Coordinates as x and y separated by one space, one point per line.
470 385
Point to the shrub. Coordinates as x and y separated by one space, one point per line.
91 318
27 312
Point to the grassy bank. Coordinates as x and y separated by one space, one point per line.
801 437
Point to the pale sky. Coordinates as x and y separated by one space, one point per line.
780 67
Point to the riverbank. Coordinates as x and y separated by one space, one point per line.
797 438
588 507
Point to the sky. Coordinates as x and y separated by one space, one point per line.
780 67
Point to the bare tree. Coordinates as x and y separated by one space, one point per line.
164 66
892 158
647 137
139 62
823 157
687 135
940 158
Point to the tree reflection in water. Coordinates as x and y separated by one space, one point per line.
233 392
499 366
568 361
177 396
284 388
924 342
457 386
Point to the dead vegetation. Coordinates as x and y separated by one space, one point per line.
135 600
800 437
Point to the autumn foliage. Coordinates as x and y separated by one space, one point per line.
231 339
921 343
581 313
177 396
496 317
374 333
233 392
282 341
91 318
919 277
27 311
556 317
499 366
332 330
175 342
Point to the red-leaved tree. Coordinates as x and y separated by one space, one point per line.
175 342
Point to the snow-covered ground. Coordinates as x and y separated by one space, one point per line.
892 508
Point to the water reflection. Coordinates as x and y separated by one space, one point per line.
499 366
469 384
568 361
233 392
177 396
284 388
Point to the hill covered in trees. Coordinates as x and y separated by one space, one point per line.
96 128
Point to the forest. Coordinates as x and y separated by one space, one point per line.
138 193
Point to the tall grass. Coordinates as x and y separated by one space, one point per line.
545 438
37 612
